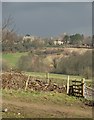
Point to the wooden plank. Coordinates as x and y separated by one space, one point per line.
77 92
77 88
76 81
77 85
78 95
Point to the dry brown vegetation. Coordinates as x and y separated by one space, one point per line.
16 81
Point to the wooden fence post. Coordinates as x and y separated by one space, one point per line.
47 77
83 87
11 71
26 85
68 85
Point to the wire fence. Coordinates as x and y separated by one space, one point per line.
88 93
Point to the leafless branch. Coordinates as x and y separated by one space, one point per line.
7 22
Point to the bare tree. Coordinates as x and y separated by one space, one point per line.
9 35
7 23
8 27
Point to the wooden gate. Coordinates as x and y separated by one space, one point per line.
77 88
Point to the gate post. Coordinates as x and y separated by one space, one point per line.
47 77
68 85
83 87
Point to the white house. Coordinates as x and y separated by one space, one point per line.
28 37
58 42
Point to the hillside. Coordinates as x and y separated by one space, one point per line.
51 53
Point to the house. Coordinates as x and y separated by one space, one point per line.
28 37
58 42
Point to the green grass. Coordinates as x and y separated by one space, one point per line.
40 97
12 58
58 78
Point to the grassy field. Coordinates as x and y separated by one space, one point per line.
21 104
58 78
12 58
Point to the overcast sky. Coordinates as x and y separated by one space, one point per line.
50 19
47 0
0 15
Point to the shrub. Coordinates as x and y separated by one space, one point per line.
35 63
4 65
76 65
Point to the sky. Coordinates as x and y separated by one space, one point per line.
47 0
46 19
0 15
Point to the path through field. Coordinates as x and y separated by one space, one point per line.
35 110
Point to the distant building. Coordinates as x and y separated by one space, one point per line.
58 42
28 37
